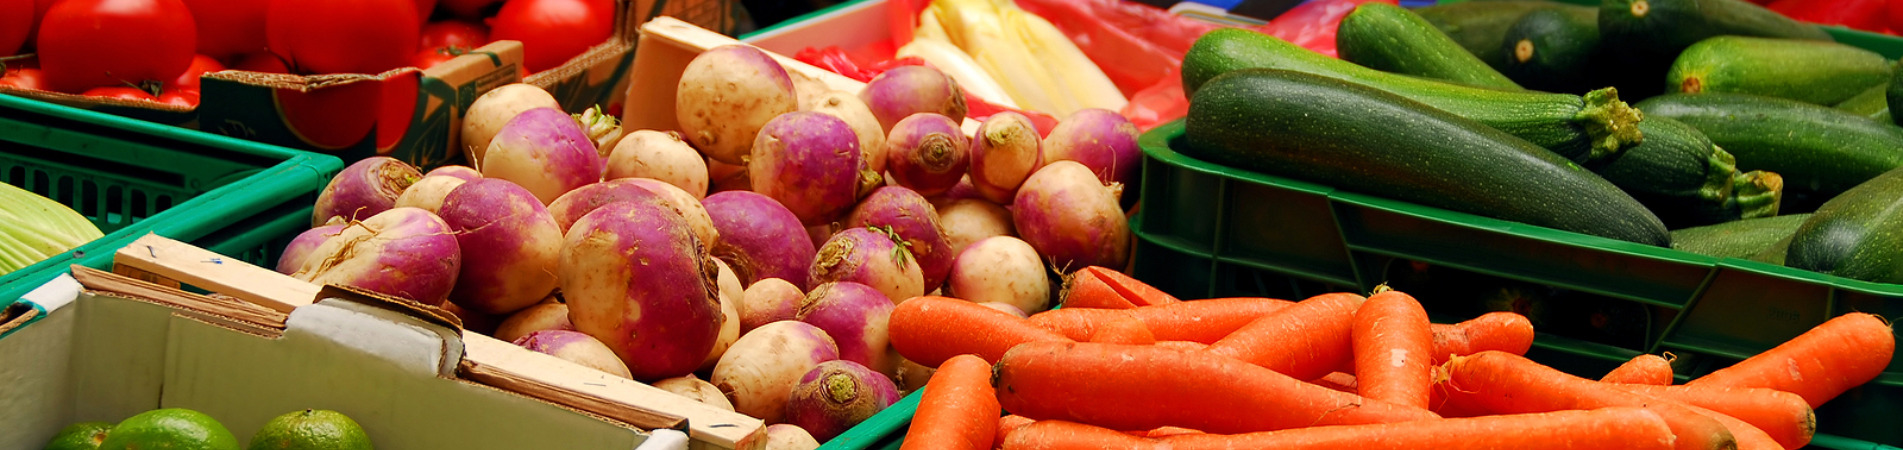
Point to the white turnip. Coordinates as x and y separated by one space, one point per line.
363 189
927 152
811 163
427 194
848 107
695 389
1007 308
301 246
541 316
546 151
873 257
729 283
661 156
575 347
637 279
758 373
855 316
729 331
836 396
1100 139
906 90
726 94
913 376
759 238
915 221
491 110
767 301
782 436
1001 269
403 252
968 220
1005 151
1071 218
511 246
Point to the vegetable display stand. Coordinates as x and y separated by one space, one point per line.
1209 231
132 178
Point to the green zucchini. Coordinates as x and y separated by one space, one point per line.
1359 138
1739 238
1857 235
1589 130
1390 38
1873 103
1818 72
1820 151
1642 37
1687 181
1480 26
1893 96
1552 50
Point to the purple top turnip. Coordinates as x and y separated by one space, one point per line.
726 94
404 252
639 281
1005 151
927 152
916 221
363 189
810 162
544 150
759 238
464 173
302 245
510 244
873 257
1101 139
855 316
836 396
1071 218
758 373
907 90
684 203
848 107
575 347
570 207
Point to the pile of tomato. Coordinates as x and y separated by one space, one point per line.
156 50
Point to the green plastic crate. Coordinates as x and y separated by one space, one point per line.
130 177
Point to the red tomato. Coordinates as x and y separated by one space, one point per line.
342 36
423 10
89 43
120 92
201 65
452 33
184 97
431 57
24 78
16 20
228 28
39 13
553 31
259 62
469 9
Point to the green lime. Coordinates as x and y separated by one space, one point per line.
80 436
311 429
170 428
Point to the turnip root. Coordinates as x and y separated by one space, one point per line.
848 107
729 331
781 436
855 316
969 220
915 221
874 258
510 244
464 173
1007 308
928 153
490 111
759 238
576 347
661 156
1101 139
726 94
836 396
913 376
695 389
1001 269
767 301
906 90
637 279
758 373
363 189
684 203
541 316
427 194
546 151
1006 150
404 252
810 162
570 207
1071 218
302 246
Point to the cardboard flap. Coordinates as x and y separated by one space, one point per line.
417 345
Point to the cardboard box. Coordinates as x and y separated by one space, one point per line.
111 345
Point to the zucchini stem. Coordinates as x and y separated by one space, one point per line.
1612 124
1757 193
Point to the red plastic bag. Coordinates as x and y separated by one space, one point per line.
1312 25
1136 45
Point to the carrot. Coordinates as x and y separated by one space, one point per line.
1204 321
1170 431
1063 435
1623 427
1392 347
1123 330
1749 437
1141 387
1502 331
1007 424
1643 369
1504 383
959 409
1085 290
1782 415
929 330
1306 340
1339 381
1188 346
1842 353
1136 292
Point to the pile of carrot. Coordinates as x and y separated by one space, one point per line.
1125 366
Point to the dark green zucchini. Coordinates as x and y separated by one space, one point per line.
1643 37
1363 139
1552 50
1820 151
1687 181
1590 130
1390 38
1819 72
1873 103
1480 26
1857 235
1894 95
1738 238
